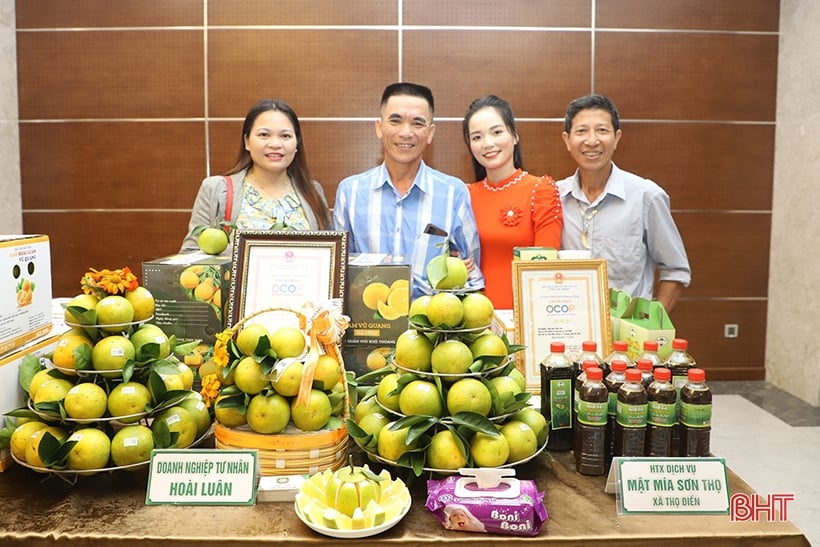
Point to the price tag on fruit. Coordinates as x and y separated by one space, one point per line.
202 477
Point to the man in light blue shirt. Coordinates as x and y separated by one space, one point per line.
404 208
615 214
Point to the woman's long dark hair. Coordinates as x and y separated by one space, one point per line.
298 168
506 112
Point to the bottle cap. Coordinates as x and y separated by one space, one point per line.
644 364
620 345
680 343
633 375
594 373
617 365
557 347
663 374
589 345
589 363
650 345
696 375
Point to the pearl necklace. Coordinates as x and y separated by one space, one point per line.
492 188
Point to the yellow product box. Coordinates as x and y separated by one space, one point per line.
12 395
504 323
191 292
377 299
534 253
25 289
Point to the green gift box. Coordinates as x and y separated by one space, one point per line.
646 320
618 304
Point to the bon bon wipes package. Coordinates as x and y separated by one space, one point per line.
487 500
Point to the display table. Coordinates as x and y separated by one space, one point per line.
110 509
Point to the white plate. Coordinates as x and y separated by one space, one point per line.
352 534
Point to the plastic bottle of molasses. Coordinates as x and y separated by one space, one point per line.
557 378
619 353
579 382
662 414
590 454
613 381
650 351
589 351
646 368
630 418
695 415
679 362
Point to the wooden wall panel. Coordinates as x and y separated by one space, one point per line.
99 239
519 13
702 165
132 74
299 12
701 322
338 73
688 76
720 15
100 13
458 67
111 165
114 122
728 253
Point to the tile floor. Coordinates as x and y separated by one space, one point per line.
771 439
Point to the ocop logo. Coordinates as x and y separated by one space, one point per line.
559 309
286 288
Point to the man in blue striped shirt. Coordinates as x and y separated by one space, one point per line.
402 207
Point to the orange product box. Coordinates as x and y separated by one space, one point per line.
25 289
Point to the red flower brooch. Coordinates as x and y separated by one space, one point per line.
510 215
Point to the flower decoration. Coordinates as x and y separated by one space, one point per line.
106 282
210 388
510 215
222 358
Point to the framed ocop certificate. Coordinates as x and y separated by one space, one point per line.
287 269
558 301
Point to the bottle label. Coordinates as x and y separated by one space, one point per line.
662 414
695 415
631 415
613 403
576 398
590 413
560 404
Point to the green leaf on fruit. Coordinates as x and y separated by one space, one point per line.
28 368
475 422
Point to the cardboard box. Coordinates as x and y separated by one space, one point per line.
504 323
355 357
185 305
25 289
534 253
646 320
377 297
618 304
12 395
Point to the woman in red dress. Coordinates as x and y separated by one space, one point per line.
512 207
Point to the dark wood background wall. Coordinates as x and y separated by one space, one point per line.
124 111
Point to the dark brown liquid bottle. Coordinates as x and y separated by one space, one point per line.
662 414
590 454
630 417
620 350
695 415
589 352
576 396
679 362
650 351
647 368
613 381
557 378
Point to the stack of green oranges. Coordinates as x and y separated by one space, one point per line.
111 392
261 385
450 395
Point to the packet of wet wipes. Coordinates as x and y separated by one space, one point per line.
487 500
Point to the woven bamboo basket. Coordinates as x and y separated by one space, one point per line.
294 451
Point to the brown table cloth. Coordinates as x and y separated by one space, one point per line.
109 510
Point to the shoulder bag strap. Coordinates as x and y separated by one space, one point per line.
228 200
